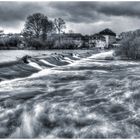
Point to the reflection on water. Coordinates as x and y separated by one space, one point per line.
74 95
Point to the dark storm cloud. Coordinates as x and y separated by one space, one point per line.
78 11
13 14
70 11
92 11
120 9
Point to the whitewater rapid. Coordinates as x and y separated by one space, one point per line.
71 95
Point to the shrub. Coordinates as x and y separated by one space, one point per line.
64 45
49 44
129 48
39 44
86 45
13 41
9 42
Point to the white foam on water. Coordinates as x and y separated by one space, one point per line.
40 73
99 56
35 65
106 128
101 71
44 72
27 123
56 58
99 63
38 109
46 62
126 63
10 87
75 56
128 94
66 60
103 55
25 130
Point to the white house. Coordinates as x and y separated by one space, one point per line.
97 41
110 36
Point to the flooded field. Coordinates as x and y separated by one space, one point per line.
69 95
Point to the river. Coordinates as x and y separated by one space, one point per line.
68 94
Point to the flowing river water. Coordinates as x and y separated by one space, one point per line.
69 95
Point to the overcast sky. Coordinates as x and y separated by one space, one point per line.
82 17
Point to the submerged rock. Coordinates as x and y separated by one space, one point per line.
25 59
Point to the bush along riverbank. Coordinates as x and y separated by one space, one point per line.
129 49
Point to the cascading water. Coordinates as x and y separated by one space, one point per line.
77 95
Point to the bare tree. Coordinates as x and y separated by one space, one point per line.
37 26
47 26
59 24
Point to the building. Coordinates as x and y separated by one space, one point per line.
97 41
110 36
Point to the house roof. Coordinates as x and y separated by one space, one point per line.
98 36
107 32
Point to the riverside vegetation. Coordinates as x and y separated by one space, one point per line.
129 49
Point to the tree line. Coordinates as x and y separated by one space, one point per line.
35 32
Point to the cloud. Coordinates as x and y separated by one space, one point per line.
82 16
93 11
120 8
